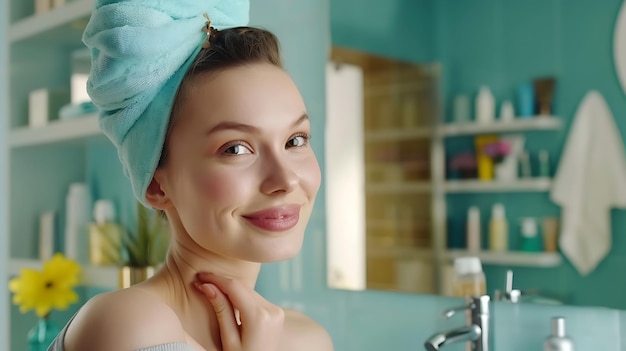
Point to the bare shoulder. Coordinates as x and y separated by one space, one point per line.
126 319
303 333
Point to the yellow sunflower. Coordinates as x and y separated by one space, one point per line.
52 288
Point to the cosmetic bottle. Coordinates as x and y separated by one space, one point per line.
525 166
105 235
78 204
498 229
544 164
558 341
544 94
473 229
531 242
469 279
485 106
550 228
526 100
507 112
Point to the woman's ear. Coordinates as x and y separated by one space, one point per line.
155 194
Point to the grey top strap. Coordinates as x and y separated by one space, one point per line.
57 344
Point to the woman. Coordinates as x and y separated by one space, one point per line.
235 176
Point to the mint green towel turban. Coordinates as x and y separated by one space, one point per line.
140 52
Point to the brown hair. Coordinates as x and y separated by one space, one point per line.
228 48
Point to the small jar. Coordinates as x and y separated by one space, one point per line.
469 279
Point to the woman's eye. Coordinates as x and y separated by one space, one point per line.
237 149
298 141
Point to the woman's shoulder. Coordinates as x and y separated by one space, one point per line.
127 319
303 333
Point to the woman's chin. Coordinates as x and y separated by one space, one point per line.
277 254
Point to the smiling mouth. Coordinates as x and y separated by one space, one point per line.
275 219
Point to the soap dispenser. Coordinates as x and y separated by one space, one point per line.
558 341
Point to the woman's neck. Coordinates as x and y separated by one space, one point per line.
174 284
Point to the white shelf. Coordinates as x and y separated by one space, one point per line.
64 24
399 187
398 134
93 276
511 258
477 186
534 123
54 132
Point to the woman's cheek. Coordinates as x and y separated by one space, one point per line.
222 188
311 175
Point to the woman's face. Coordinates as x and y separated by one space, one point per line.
241 178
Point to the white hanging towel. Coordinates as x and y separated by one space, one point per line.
591 179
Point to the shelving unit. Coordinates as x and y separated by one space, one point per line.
44 161
520 124
477 186
60 26
62 131
474 186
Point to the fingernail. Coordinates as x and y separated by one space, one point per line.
209 290
203 275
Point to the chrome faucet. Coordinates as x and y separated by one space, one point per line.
476 333
509 294
517 296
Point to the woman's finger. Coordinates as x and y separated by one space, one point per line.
262 322
241 297
229 330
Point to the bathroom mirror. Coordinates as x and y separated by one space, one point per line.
403 78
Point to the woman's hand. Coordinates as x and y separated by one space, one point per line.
261 321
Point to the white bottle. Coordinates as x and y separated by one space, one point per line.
46 235
558 341
473 234
485 106
507 112
78 203
498 229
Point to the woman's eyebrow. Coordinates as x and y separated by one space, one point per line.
247 128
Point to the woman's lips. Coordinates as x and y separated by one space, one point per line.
275 219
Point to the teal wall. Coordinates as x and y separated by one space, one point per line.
402 29
502 44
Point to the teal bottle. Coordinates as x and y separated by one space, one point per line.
531 241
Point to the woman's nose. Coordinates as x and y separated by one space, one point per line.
280 177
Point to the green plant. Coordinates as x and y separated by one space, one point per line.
147 246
